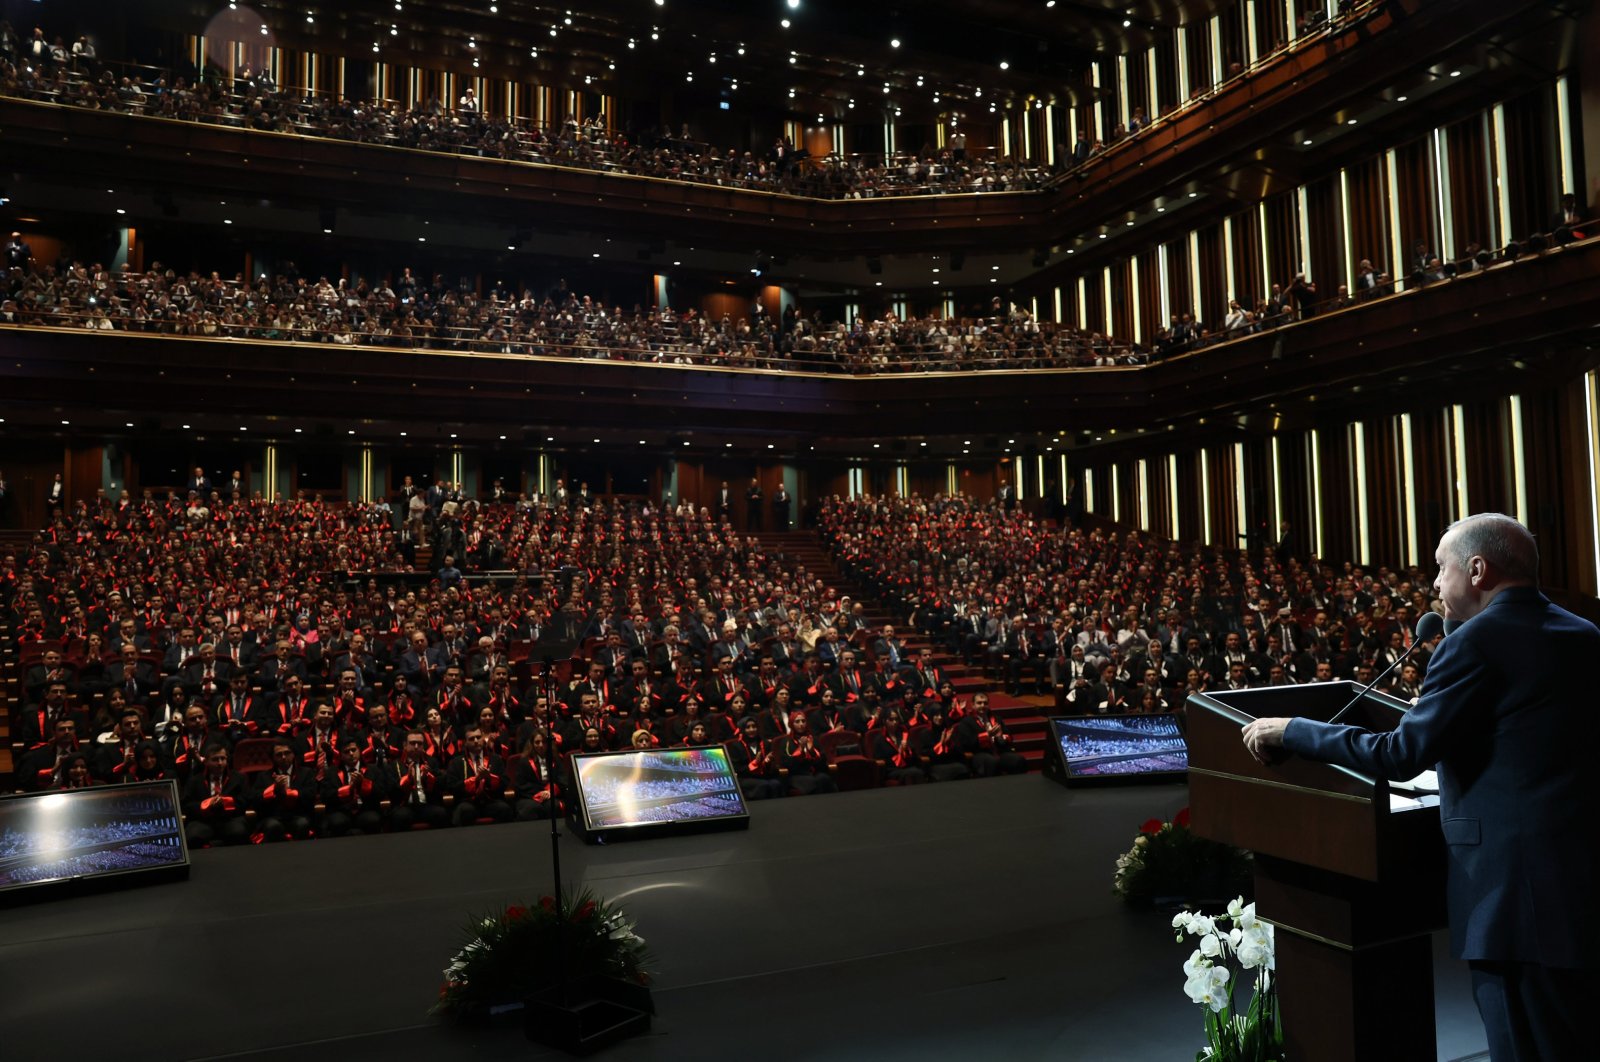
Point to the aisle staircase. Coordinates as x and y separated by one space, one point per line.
1023 717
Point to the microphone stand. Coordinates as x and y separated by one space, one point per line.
1415 641
550 688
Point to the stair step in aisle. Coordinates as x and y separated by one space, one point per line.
1023 717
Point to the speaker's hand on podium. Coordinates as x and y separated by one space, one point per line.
1264 739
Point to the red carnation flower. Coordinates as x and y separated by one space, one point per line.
1152 826
584 912
1181 818
547 902
515 911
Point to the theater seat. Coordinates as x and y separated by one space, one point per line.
252 755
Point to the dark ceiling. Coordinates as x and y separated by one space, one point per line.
832 51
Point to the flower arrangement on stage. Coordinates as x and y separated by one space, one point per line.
1231 946
521 951
1167 861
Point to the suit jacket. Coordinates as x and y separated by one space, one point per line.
1506 717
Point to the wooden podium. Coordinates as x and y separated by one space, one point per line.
1352 875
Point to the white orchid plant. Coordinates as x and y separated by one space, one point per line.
1228 947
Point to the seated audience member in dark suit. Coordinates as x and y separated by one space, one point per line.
284 795
1506 717
214 801
353 793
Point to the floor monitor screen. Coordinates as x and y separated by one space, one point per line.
80 834
658 787
1120 746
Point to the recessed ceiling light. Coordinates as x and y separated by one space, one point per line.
185 427
769 446
502 438
243 428
784 23
1401 99
452 435
1193 195
597 440
1307 143
894 42
1004 65
402 434
686 442
1455 73
1351 122
69 422
298 430
549 438
129 424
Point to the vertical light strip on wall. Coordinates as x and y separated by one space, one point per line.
1049 134
1216 50
1194 273
1519 469
1038 482
1408 504
1083 303
1026 124
1123 114
269 478
1105 286
1205 498
952 480
1344 215
1316 491
1153 102
1441 196
1116 493
1227 265
1165 284
1143 469
1133 292
1302 231
1564 135
1099 105
1277 489
1266 258
1358 446
364 487
1238 489
1183 65
1033 301
1088 490
1058 304
1063 480
1251 49
1592 429
902 483
458 465
1291 28
1458 448
1172 495
1017 471
1397 243
1496 237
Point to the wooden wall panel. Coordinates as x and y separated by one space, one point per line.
28 467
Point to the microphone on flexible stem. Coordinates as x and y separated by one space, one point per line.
1429 626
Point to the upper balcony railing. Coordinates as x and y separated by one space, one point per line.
252 102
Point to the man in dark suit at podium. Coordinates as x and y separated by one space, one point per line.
1506 714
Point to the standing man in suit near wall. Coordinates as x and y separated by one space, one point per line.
1507 715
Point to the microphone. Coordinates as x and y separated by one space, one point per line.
1429 626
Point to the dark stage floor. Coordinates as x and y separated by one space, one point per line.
969 920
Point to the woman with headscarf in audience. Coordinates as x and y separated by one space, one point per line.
439 738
